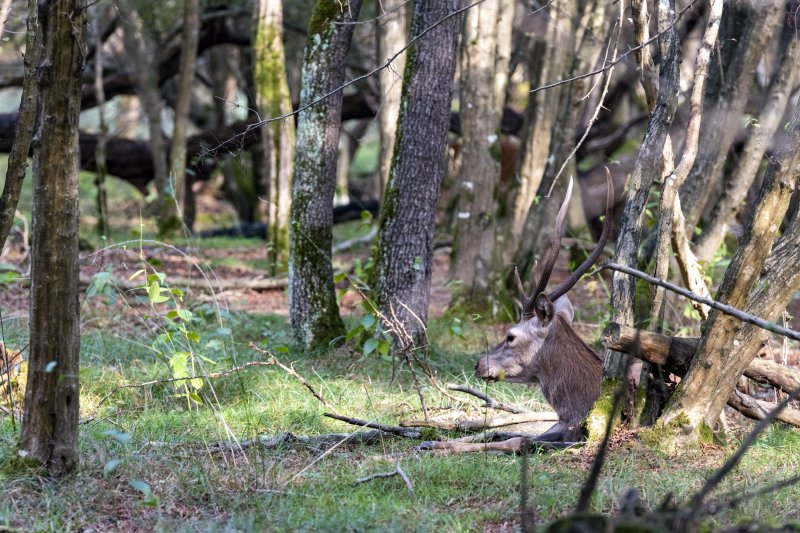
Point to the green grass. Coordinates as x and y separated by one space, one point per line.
298 488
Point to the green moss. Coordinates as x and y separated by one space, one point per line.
325 12
597 420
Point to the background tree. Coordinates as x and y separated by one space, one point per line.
50 426
402 277
313 309
278 137
485 52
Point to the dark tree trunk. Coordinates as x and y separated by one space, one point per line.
18 159
50 427
313 309
405 243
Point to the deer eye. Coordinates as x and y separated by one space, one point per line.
510 338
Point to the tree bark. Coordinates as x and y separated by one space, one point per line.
313 309
647 167
392 34
758 137
402 276
726 348
273 100
50 426
169 220
729 91
141 51
18 158
485 51
547 60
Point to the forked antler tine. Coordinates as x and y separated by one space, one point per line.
555 245
573 278
523 296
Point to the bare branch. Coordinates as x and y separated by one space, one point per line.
490 402
402 432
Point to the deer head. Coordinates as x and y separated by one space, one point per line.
543 348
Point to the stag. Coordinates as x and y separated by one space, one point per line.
543 348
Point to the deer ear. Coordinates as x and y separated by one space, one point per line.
544 309
564 308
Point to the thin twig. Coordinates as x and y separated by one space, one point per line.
617 59
395 430
291 371
490 402
723 308
405 478
383 475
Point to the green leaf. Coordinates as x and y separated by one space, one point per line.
338 278
111 466
156 277
369 322
195 398
120 436
98 283
137 274
154 293
370 346
196 383
384 346
141 486
353 333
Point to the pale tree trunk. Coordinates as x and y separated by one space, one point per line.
547 62
140 54
392 32
402 276
727 345
648 165
169 220
485 52
18 158
313 310
273 100
727 99
591 25
5 7
676 178
735 193
102 136
50 426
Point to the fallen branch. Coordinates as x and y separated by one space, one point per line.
481 423
490 402
675 354
383 475
758 409
199 283
395 430
724 308
289 370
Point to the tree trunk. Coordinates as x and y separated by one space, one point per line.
729 91
392 32
727 346
313 309
101 168
18 158
404 254
168 220
547 61
273 100
647 167
759 134
140 51
50 426
485 51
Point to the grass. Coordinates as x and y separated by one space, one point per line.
165 442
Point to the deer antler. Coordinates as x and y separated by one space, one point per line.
528 301
573 278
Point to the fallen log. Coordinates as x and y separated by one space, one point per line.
471 424
675 354
211 284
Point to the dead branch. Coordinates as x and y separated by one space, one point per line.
289 370
490 402
758 409
383 475
395 430
198 283
285 440
724 308
675 354
481 423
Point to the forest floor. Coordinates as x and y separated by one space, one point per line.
214 455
